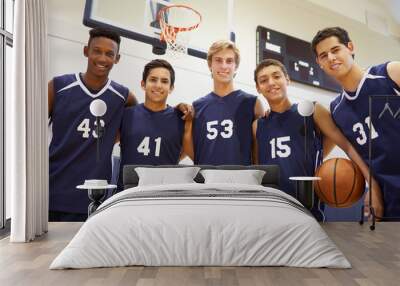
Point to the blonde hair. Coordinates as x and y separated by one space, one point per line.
222 45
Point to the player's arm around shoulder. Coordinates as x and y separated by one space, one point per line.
187 142
118 137
323 120
328 146
332 134
131 99
258 109
254 153
187 110
325 123
393 69
50 97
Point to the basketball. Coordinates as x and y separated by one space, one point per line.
342 183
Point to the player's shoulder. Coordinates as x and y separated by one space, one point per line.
115 84
264 124
130 110
393 70
65 78
379 70
134 108
203 99
64 81
175 115
262 120
173 111
294 108
120 88
294 112
170 113
335 102
244 94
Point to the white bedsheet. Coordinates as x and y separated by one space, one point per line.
200 231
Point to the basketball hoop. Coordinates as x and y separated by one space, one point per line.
175 23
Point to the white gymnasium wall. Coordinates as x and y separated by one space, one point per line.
300 19
380 15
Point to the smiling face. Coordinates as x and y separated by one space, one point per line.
223 66
102 54
334 57
272 83
157 86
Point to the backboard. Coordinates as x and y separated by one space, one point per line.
137 20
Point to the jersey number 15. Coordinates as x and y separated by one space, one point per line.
279 147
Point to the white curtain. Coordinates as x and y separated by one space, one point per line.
26 123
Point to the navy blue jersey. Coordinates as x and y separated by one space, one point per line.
281 141
72 150
222 129
151 138
350 111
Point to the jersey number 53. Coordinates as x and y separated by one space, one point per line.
212 131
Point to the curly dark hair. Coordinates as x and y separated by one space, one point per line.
106 33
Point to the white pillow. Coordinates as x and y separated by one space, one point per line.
163 176
248 177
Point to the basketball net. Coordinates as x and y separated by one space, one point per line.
176 22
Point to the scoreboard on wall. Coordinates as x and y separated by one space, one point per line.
296 55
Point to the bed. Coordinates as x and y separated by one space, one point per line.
201 223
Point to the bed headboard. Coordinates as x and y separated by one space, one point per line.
270 179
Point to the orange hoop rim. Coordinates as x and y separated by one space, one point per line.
170 30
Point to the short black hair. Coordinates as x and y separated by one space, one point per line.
159 63
338 32
269 62
106 33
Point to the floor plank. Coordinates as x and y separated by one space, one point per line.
374 255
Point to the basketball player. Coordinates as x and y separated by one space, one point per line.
279 137
223 118
152 133
72 149
350 111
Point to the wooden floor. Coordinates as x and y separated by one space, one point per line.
374 255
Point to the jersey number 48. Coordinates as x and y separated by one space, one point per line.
84 127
